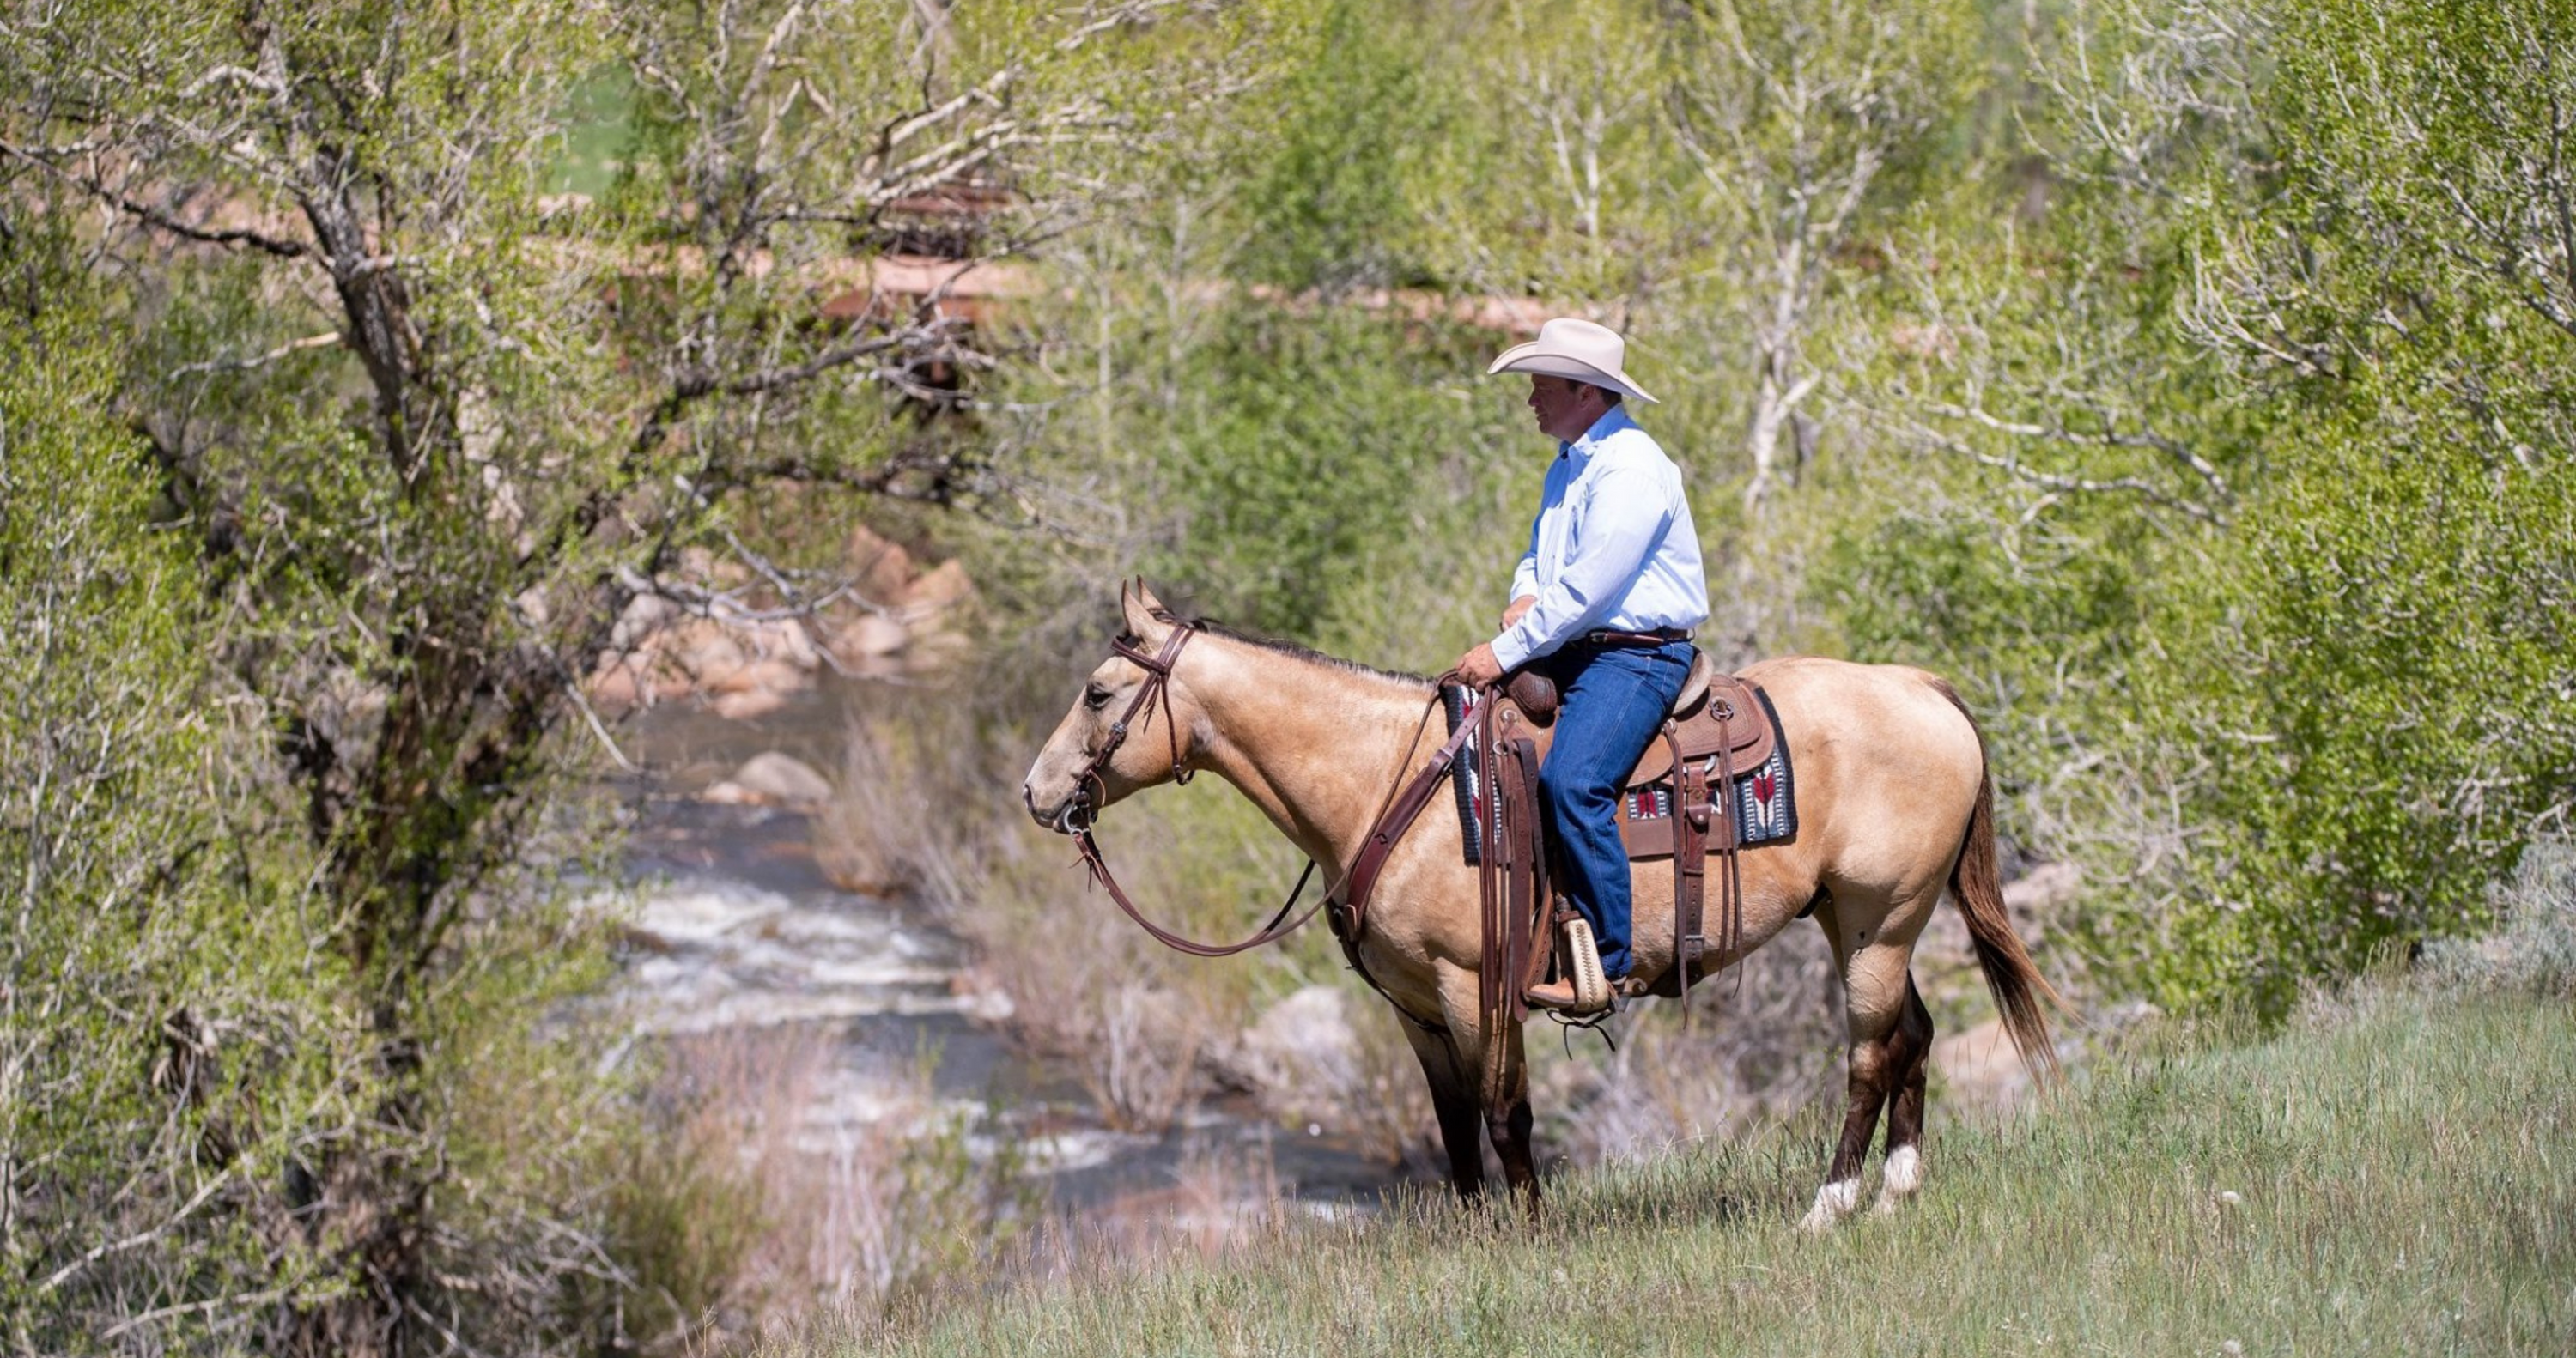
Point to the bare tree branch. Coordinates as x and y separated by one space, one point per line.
158 218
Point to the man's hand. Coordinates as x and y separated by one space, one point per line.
1478 667
1521 605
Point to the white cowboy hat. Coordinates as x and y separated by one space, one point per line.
1577 349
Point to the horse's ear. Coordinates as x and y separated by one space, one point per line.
1145 618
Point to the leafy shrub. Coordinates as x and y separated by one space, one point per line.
2533 948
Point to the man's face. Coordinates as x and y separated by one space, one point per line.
1565 408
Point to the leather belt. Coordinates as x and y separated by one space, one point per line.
1661 636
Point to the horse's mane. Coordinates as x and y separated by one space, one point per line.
1306 653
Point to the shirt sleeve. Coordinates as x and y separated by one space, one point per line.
1624 516
1525 575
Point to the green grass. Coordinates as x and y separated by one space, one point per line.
2400 1171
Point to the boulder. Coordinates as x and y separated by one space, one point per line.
619 684
944 587
1302 1053
881 570
781 780
706 649
759 676
748 705
869 635
2043 889
787 640
1981 1067
644 615
712 571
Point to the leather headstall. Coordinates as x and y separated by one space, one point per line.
1394 817
1157 687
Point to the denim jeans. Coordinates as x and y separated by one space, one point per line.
1613 700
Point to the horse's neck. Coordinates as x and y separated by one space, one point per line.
1317 747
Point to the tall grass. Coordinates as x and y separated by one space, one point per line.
2387 1177
741 1214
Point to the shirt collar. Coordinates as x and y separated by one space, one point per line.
1611 422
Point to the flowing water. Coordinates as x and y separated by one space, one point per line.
735 928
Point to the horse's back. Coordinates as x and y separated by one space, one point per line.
1886 758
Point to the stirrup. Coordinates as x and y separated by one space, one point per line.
1590 989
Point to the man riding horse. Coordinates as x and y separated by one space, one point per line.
1602 603
1895 796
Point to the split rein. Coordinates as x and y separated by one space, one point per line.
1157 689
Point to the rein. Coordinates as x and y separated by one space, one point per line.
1395 815
1158 687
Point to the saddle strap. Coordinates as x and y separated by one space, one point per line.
1512 890
1697 802
1690 866
1511 879
1526 950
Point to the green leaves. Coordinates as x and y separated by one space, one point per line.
156 1002
2276 638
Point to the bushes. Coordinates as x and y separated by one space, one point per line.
2253 520
157 1074
2372 682
2533 948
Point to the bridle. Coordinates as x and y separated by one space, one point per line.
1079 813
1395 814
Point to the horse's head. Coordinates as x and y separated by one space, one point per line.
1134 725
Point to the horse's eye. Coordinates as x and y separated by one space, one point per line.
1095 697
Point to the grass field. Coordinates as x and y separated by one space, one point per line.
2389 1176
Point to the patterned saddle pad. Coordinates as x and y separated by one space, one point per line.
1764 805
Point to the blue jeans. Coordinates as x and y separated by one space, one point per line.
1613 701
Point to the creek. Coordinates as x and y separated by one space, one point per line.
734 928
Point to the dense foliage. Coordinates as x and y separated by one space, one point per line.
2185 378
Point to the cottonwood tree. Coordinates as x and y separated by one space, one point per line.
1575 112
2256 529
1794 115
2392 625
427 425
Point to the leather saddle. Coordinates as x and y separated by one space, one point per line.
1719 729
1715 714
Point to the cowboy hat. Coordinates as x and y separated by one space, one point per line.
1575 349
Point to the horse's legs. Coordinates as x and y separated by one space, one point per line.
1875 986
1909 1056
1453 1098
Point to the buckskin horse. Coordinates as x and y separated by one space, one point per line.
1895 804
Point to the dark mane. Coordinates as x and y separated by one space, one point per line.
1305 653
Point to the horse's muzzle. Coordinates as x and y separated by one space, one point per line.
1071 816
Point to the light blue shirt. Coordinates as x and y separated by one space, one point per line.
1612 546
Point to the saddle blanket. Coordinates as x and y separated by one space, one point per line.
1765 802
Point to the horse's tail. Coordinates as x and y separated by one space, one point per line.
2018 988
